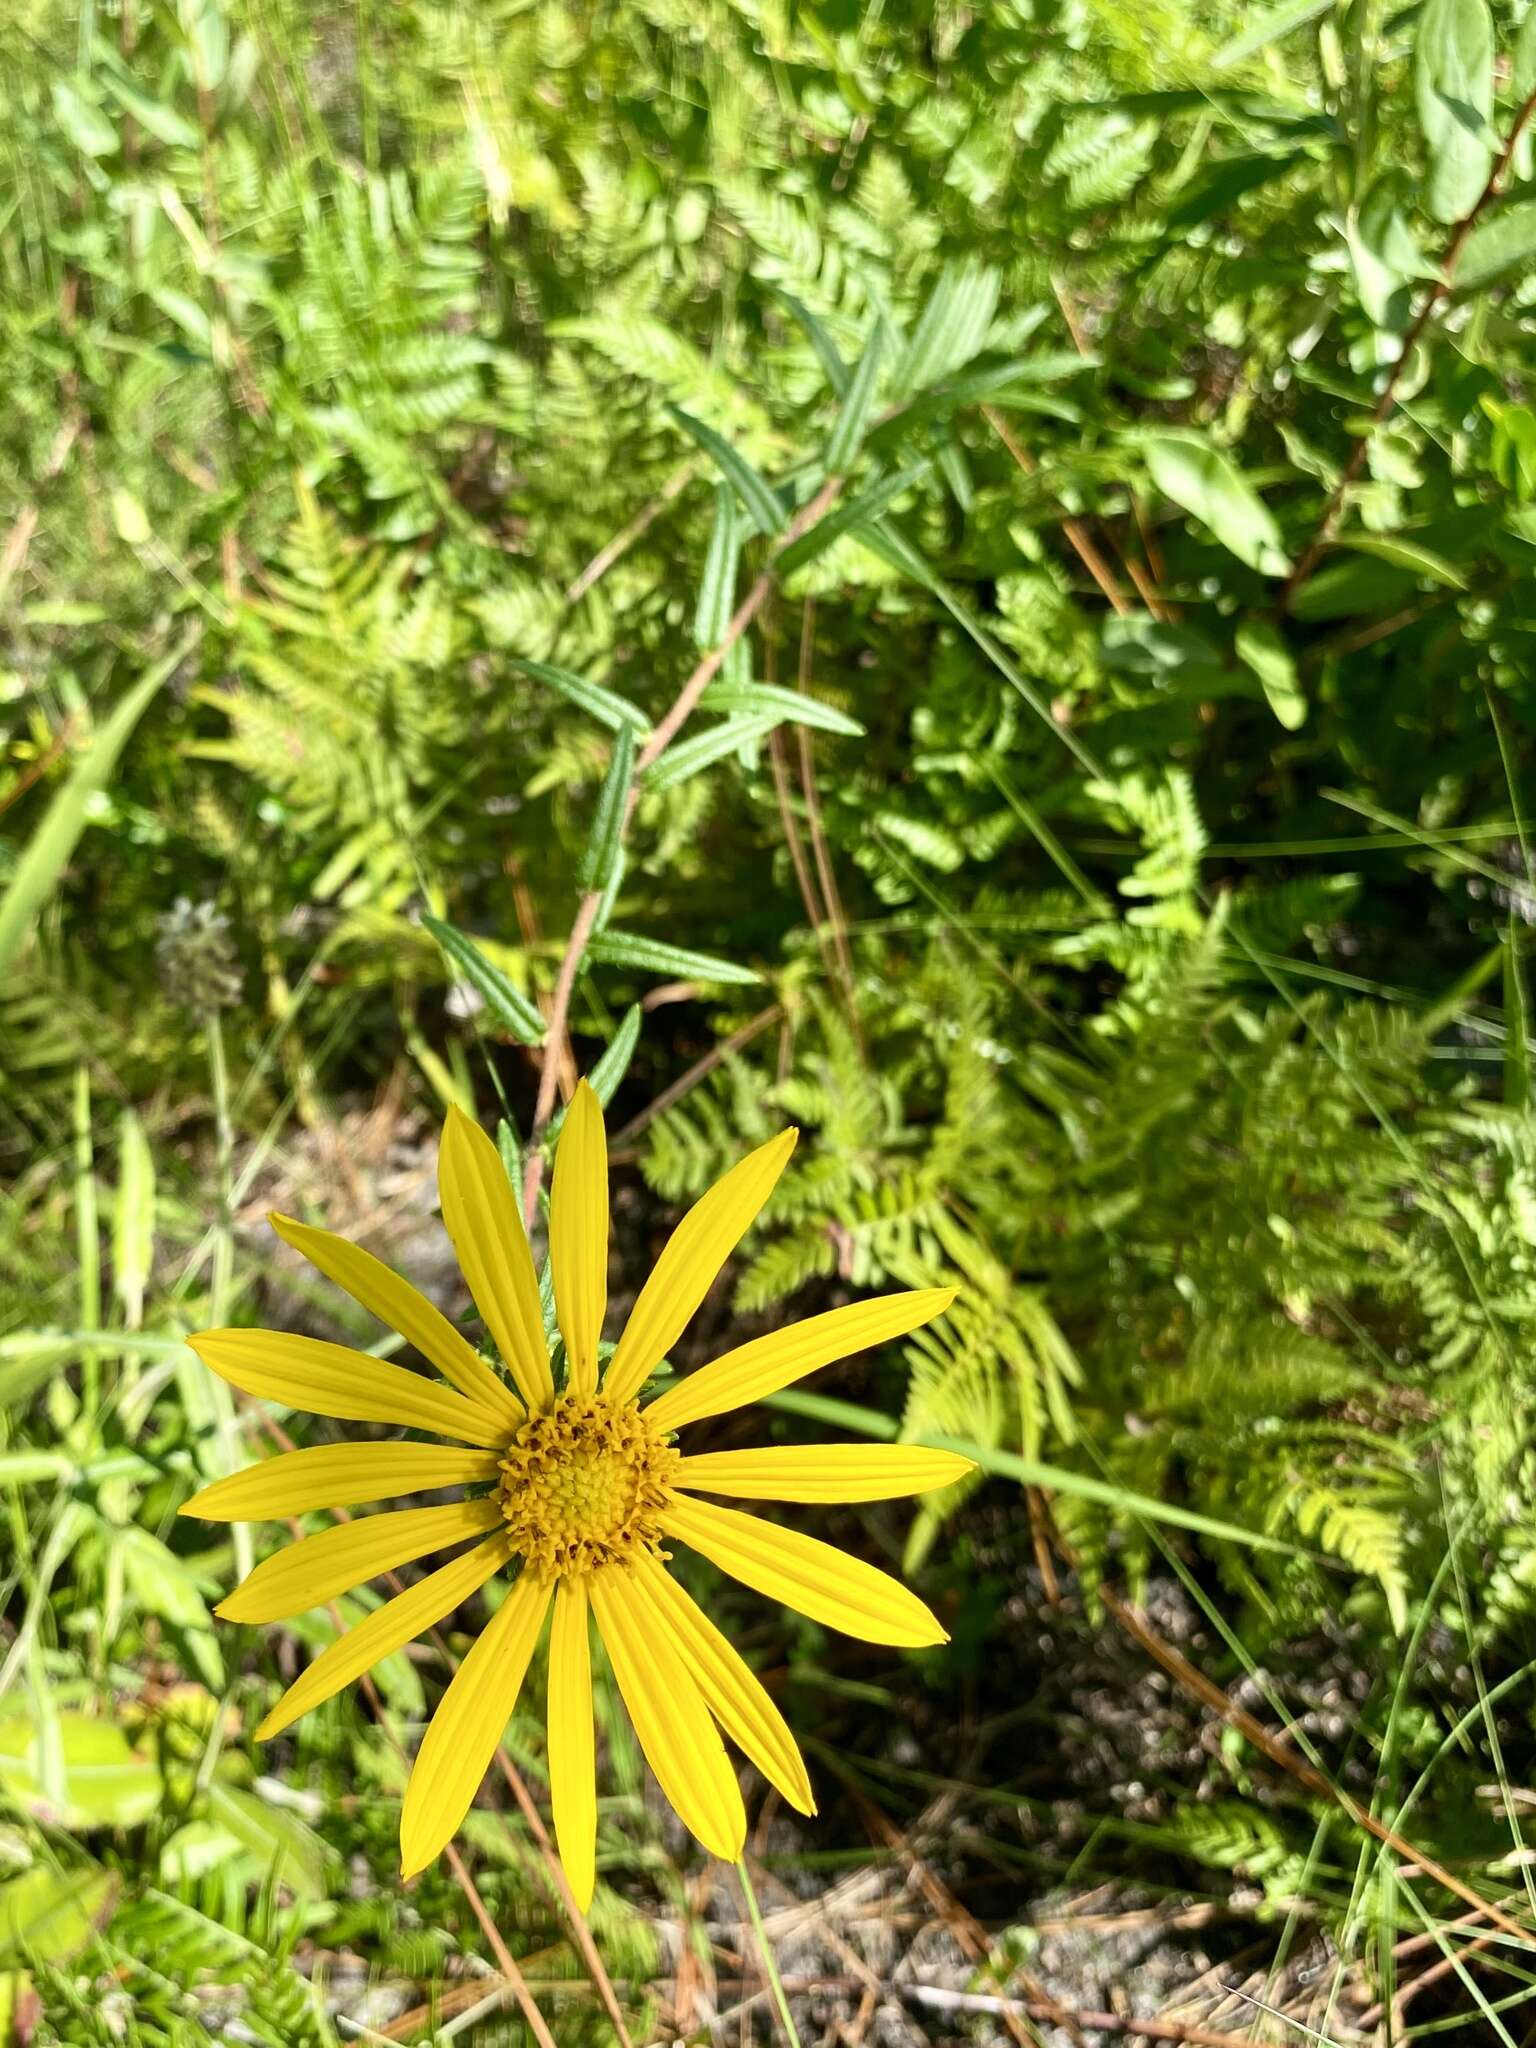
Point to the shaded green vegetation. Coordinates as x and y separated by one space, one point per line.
1106 839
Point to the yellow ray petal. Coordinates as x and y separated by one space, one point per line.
778 1360
572 1766
395 1302
731 1691
337 1476
578 1235
470 1720
328 1379
492 1249
681 1742
379 1634
806 1574
689 1262
822 1472
308 1573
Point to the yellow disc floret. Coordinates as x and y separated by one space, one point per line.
584 1485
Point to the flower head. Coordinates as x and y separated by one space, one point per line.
574 1493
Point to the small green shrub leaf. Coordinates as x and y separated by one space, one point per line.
506 1003
1187 468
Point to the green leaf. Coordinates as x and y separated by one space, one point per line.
1522 60
162 1585
611 1065
1261 647
27 1468
103 1781
279 1843
510 1148
1404 553
689 757
717 585
868 505
129 518
1187 468
133 1217
1008 383
605 705
1517 1020
507 1004
1026 1471
1498 249
610 1069
1273 24
48 850
654 956
848 434
52 1914
1219 187
1453 88
153 116
772 701
606 837
1386 256
767 513
834 368
952 326
1340 590
28 1359
88 128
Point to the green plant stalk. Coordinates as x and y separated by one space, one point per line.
765 1951
224 1263
1030 1472
87 1242
48 851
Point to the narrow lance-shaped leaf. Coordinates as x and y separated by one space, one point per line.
133 1217
507 1004
610 1070
48 850
1007 382
1517 1014
867 506
1385 255
1453 87
610 894
1522 60
717 586
773 701
1187 468
603 704
689 756
952 326
1262 648
827 354
655 956
1498 250
603 842
612 1064
510 1147
767 514
848 434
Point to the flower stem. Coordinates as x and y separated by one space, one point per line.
224 1261
770 1967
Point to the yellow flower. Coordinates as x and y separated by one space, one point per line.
580 1486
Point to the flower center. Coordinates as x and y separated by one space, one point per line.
585 1485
